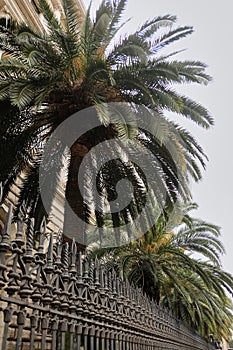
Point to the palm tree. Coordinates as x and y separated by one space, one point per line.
45 78
181 271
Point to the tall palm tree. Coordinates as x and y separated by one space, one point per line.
181 271
45 78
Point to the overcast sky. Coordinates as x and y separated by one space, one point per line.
211 43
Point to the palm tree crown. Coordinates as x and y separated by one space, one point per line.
47 77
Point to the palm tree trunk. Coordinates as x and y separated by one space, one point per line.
76 216
74 207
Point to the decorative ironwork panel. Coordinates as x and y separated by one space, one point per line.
57 299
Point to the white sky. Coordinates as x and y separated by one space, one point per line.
211 43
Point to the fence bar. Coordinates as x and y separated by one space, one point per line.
7 319
97 343
123 342
71 330
92 344
78 341
64 328
102 340
107 343
54 334
20 322
33 323
44 327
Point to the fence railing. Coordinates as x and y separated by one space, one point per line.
54 298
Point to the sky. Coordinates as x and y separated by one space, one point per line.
211 43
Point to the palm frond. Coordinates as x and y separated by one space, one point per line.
170 37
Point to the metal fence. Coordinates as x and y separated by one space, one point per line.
54 298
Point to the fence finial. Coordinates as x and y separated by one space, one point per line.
43 226
73 268
80 267
30 237
42 236
7 226
50 250
59 247
66 257
1 192
20 222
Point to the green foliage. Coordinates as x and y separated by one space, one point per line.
71 66
181 271
44 78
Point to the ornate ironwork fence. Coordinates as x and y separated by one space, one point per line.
60 300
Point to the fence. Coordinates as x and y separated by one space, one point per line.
61 300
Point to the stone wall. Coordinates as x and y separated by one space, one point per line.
28 11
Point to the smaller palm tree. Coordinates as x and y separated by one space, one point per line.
181 271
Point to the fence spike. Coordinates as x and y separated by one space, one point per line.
80 267
43 226
97 271
30 237
22 211
86 268
20 222
59 237
59 247
50 250
42 236
101 276
106 280
66 256
80 264
73 253
110 281
114 281
1 192
91 272
96 262
7 226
